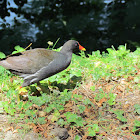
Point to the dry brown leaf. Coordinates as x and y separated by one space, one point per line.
11 79
88 112
69 104
71 133
92 100
89 85
9 128
126 105
123 82
15 131
42 113
45 134
37 129
75 91
46 125
101 101
108 88
120 88
31 125
50 127
103 134
1 129
84 137
23 93
18 127
35 106
130 78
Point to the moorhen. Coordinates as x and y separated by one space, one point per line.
37 64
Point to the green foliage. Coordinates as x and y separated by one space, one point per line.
81 108
115 64
112 98
78 108
101 95
2 55
136 126
137 108
77 98
4 73
61 122
41 120
18 49
92 129
40 100
120 53
77 137
88 102
9 108
30 113
56 116
74 118
56 103
119 114
92 88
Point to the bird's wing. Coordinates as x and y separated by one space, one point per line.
55 66
30 61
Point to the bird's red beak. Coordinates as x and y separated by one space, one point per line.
81 48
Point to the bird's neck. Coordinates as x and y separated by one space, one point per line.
66 51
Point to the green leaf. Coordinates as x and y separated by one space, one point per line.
92 129
12 111
81 108
41 120
77 96
56 116
61 122
77 137
60 107
73 118
48 109
27 105
137 108
119 115
19 49
136 79
1 109
111 101
21 116
40 100
2 55
92 88
91 132
87 102
20 105
137 123
31 113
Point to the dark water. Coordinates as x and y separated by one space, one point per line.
95 24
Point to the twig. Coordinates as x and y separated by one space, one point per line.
28 46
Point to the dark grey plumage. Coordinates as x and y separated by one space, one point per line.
37 64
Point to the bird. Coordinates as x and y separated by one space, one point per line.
38 64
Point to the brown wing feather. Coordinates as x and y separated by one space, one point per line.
29 61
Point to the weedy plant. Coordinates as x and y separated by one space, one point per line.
86 97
